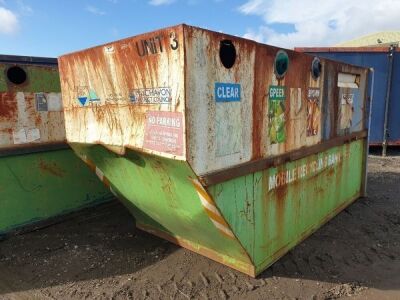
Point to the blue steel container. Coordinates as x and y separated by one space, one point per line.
377 58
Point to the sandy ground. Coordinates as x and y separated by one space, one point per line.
98 254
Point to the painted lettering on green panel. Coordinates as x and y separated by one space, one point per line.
269 211
289 212
273 210
305 170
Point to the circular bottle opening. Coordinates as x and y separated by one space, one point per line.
16 75
316 68
227 53
281 63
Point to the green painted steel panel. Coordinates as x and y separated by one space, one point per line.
159 193
45 184
269 220
39 79
235 198
38 186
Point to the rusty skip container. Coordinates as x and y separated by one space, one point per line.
233 149
40 176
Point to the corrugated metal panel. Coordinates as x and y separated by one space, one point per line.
375 39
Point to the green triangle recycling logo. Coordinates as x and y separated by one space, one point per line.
93 96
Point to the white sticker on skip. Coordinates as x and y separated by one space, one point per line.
32 135
19 136
54 102
23 136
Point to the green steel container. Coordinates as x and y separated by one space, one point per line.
230 148
40 176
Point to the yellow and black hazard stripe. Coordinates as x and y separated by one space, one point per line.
211 209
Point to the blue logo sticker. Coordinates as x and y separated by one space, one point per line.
227 92
82 100
133 98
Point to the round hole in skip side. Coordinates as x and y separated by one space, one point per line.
281 64
16 75
316 68
227 53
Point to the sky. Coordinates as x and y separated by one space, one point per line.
55 27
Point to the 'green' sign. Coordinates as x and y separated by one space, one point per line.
276 114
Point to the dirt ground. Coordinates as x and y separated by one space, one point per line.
98 254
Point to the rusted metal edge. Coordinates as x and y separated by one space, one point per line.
344 49
136 36
241 266
28 149
265 163
186 92
28 59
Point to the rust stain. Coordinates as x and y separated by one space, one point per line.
113 71
51 168
38 120
30 103
332 99
280 204
335 94
18 111
277 199
8 107
167 182
297 76
281 251
331 172
7 130
262 75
